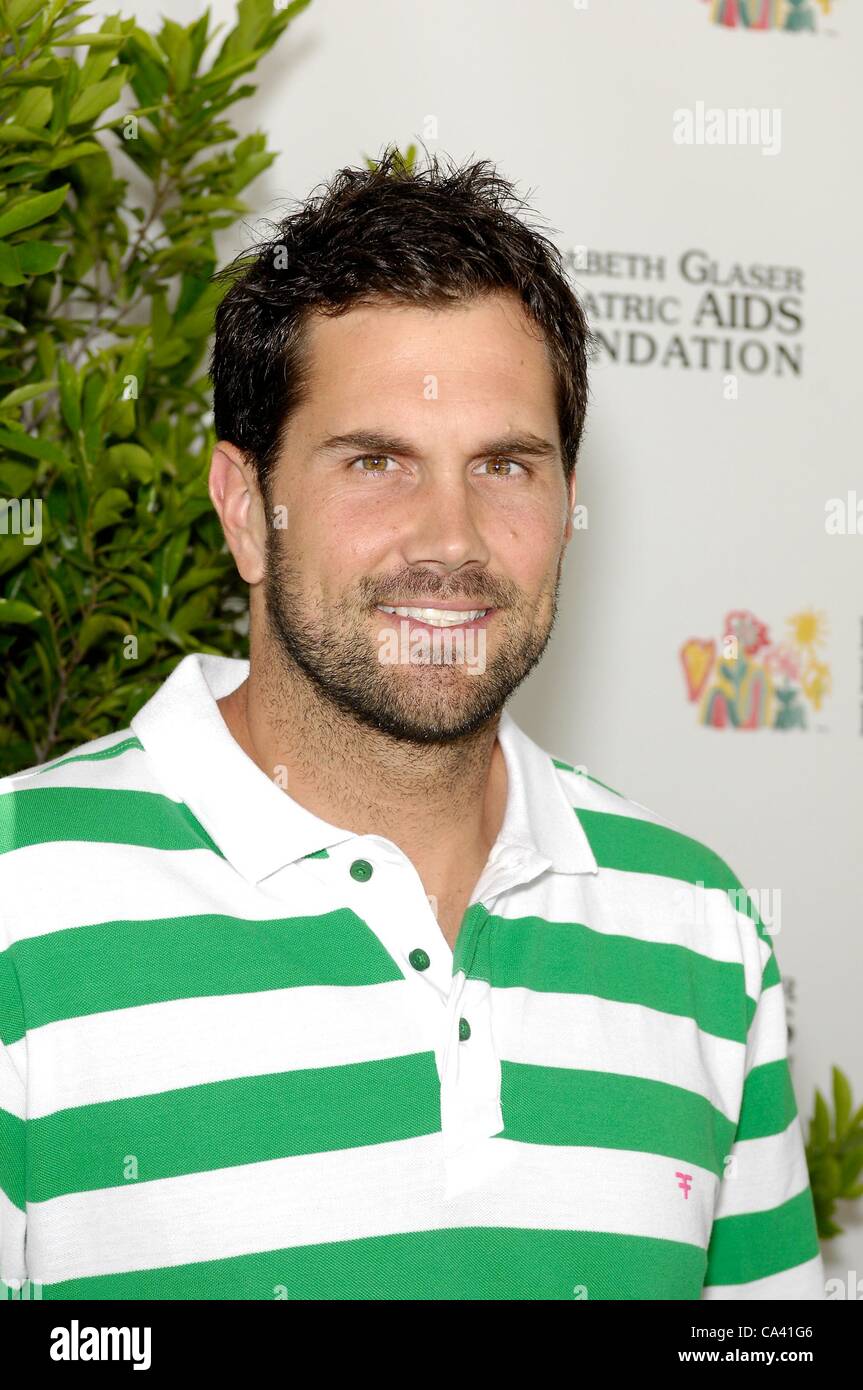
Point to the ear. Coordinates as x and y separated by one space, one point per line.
235 494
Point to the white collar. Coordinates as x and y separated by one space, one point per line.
259 827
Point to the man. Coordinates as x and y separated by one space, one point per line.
323 980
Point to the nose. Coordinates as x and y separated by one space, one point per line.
445 527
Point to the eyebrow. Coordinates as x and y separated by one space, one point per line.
532 445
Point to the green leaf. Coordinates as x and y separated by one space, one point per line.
93 40
19 11
96 99
136 584
131 459
35 107
46 351
10 266
38 257
820 1134
173 555
26 393
827 1178
14 134
197 578
165 629
13 611
32 210
851 1166
70 394
33 446
109 508
97 626
16 478
841 1102
71 153
177 44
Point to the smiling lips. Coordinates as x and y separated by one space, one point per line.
438 617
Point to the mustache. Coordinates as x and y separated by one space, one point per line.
416 590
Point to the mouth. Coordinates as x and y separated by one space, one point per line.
432 617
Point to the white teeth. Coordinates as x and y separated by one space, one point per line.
437 617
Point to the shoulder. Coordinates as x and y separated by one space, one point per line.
115 761
626 833
58 818
670 874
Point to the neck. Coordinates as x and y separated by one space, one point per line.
442 804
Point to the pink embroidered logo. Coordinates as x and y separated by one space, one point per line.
685 1183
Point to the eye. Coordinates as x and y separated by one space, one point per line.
510 464
375 459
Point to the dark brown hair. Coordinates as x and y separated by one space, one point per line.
423 236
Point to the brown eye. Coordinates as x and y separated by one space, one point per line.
372 458
508 466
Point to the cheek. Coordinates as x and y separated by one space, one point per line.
528 547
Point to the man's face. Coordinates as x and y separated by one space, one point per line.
435 504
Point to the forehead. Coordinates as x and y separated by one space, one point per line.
469 352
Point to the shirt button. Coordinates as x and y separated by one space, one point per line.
361 870
463 1030
419 959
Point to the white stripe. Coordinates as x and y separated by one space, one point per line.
115 772
765 1173
351 1194
149 1048
105 882
804 1281
591 796
768 1032
590 1033
13 1224
645 907
13 1096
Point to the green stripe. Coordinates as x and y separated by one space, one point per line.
641 846
770 975
563 1105
37 815
571 958
12 1157
249 1119
116 748
567 767
471 937
118 965
464 1264
768 1105
245 1120
762 1243
12 1023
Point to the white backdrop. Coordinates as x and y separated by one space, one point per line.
704 496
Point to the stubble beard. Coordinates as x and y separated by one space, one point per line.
417 703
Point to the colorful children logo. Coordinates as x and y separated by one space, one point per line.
745 681
794 16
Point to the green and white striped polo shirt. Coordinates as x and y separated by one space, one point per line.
239 1060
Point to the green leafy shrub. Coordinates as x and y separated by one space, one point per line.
834 1153
112 559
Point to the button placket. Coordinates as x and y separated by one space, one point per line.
382 880
470 1071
